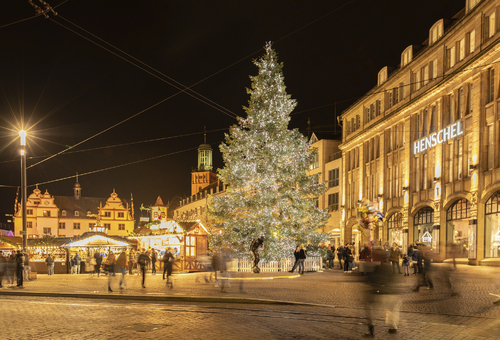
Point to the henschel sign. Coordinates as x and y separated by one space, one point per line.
449 132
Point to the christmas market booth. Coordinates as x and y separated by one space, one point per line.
9 244
92 242
189 240
40 248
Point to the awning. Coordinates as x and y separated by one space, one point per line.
98 241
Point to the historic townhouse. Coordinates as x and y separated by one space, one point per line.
424 142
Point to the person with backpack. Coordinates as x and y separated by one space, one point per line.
142 262
168 260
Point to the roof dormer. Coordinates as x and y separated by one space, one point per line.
407 56
471 4
436 32
382 76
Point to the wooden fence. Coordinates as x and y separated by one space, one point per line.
311 264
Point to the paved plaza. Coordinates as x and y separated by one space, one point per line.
327 304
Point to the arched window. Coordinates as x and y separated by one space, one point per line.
77 213
394 229
458 233
423 223
492 226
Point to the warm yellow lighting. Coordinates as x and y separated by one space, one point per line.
381 205
437 191
22 152
406 198
22 134
438 171
474 181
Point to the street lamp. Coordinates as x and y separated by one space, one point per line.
22 134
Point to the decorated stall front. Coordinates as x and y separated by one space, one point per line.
40 248
188 239
92 242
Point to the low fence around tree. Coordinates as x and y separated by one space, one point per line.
311 264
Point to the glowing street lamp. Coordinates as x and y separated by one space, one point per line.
22 135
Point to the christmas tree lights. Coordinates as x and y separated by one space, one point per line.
269 192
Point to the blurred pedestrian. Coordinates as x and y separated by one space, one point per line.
111 261
72 264
27 268
153 262
296 254
406 265
131 261
346 257
98 262
381 296
329 257
50 265
89 265
168 261
3 264
414 259
340 252
143 262
121 267
425 274
78 261
364 256
394 257
302 259
19 268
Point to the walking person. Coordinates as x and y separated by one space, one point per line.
78 261
296 254
340 251
72 264
50 265
394 257
89 265
153 262
346 256
111 268
414 259
406 265
142 262
329 257
27 268
168 260
19 268
98 262
131 261
302 259
121 267
3 264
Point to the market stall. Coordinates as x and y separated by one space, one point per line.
40 248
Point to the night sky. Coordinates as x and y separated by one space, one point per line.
63 88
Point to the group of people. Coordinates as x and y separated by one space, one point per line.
13 268
345 256
300 257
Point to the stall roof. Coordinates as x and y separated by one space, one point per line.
15 241
170 227
100 240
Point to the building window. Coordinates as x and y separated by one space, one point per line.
29 224
450 162
107 214
62 225
47 231
434 69
121 226
63 213
396 95
460 103
389 176
77 213
382 76
377 105
425 179
436 32
451 57
46 213
425 74
491 25
107 226
396 179
424 123
472 41
417 81
76 225
461 49
457 227
491 85
29 211
418 176
491 147
313 166
91 226
394 229
121 215
492 231
372 111
452 109
468 107
423 222
473 3
333 178
389 100
460 146
333 202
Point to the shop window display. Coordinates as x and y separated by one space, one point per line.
395 229
459 233
423 227
492 230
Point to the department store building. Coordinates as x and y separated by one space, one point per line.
424 143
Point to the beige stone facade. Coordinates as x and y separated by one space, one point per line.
425 141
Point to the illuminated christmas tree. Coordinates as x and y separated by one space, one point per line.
269 192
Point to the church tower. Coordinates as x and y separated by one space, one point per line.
77 189
203 175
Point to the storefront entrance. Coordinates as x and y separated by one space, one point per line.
459 234
395 232
492 227
423 228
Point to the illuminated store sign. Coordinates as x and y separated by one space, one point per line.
449 132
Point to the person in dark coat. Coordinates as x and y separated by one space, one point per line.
302 259
296 253
98 260
50 265
168 260
143 262
330 255
19 268
340 252
153 262
3 264
346 255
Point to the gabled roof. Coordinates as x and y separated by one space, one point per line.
159 202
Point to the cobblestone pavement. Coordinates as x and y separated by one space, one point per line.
428 314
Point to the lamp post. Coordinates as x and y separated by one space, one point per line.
22 134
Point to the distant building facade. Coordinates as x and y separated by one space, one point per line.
68 216
424 142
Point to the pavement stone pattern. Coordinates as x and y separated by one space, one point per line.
428 314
